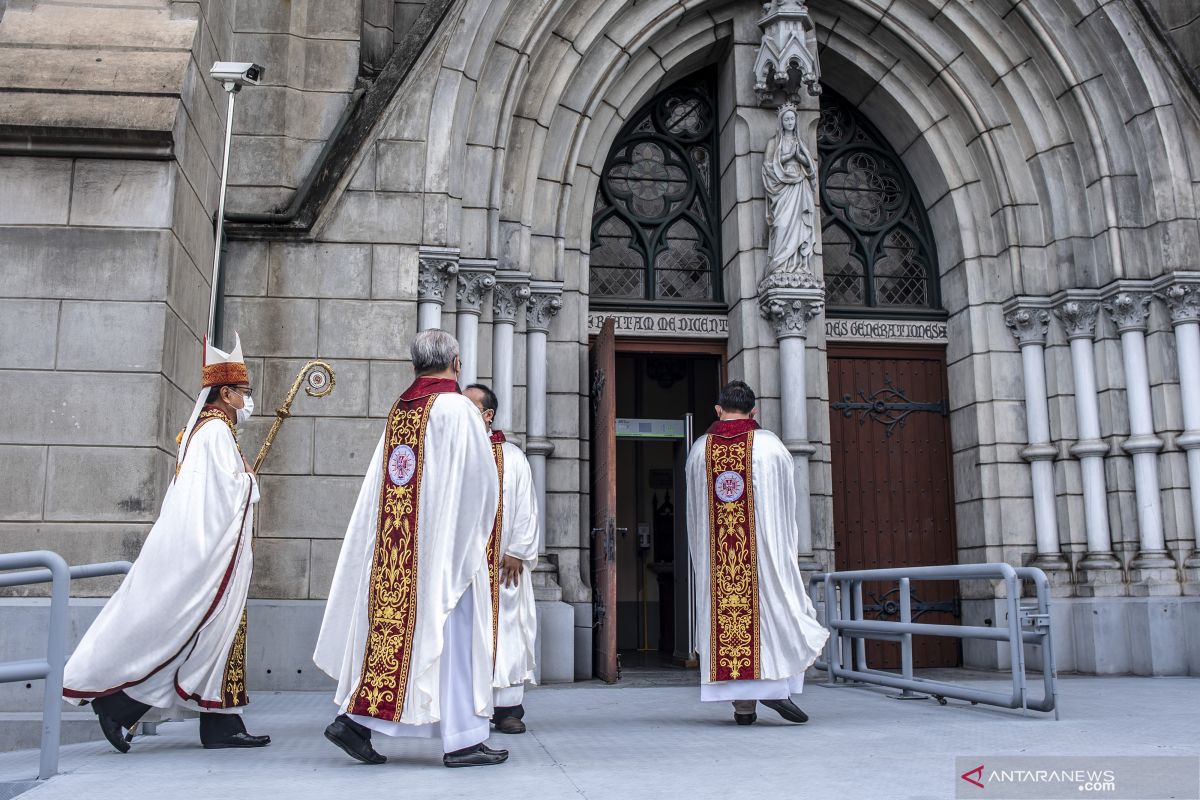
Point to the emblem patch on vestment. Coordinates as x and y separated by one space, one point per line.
729 487
402 464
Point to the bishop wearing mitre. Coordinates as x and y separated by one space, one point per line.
407 632
757 630
512 554
173 636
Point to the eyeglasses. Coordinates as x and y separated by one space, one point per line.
245 391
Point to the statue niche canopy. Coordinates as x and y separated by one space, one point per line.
655 229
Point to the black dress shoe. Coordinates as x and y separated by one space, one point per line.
509 725
113 732
786 709
237 740
345 733
745 719
478 756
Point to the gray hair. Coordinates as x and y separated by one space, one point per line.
432 351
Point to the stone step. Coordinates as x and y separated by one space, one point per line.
22 730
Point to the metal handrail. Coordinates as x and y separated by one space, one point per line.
849 631
59 575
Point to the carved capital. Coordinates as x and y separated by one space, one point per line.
509 295
1028 325
787 54
1183 301
435 269
545 300
1129 310
802 278
474 281
1078 318
790 315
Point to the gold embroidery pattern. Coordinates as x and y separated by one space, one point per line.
235 669
393 594
733 565
493 550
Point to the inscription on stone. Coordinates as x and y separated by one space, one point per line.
702 326
885 330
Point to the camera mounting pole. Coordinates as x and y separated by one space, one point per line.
232 75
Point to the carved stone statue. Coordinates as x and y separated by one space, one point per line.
790 179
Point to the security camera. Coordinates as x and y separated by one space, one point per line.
239 73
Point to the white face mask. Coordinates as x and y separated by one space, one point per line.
245 411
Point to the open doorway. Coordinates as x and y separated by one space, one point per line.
651 543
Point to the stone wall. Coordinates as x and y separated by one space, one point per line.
107 251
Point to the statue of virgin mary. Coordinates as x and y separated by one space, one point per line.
790 178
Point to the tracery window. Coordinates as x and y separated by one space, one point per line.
655 225
877 248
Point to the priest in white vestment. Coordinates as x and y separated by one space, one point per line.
512 555
756 629
407 631
173 636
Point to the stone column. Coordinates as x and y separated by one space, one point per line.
436 266
1027 318
789 311
1099 571
1153 571
509 295
1182 297
545 300
475 279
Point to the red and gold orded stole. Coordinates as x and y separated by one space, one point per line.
493 545
734 652
392 605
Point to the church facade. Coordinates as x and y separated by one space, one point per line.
951 244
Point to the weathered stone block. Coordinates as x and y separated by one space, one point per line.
394 272
280 569
322 564
78 543
273 327
28 333
87 263
388 380
345 446
320 270
245 267
333 19
77 408
306 507
400 166
366 328
122 194
105 484
23 476
34 191
112 336
376 217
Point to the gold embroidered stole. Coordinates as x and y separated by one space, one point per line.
393 590
234 680
493 550
734 652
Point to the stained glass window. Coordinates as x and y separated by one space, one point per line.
876 244
655 226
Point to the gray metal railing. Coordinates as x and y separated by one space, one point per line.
845 652
53 570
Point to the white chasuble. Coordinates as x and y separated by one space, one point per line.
513 606
756 629
415 551
174 633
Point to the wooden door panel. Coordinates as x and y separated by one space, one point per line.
893 499
604 502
